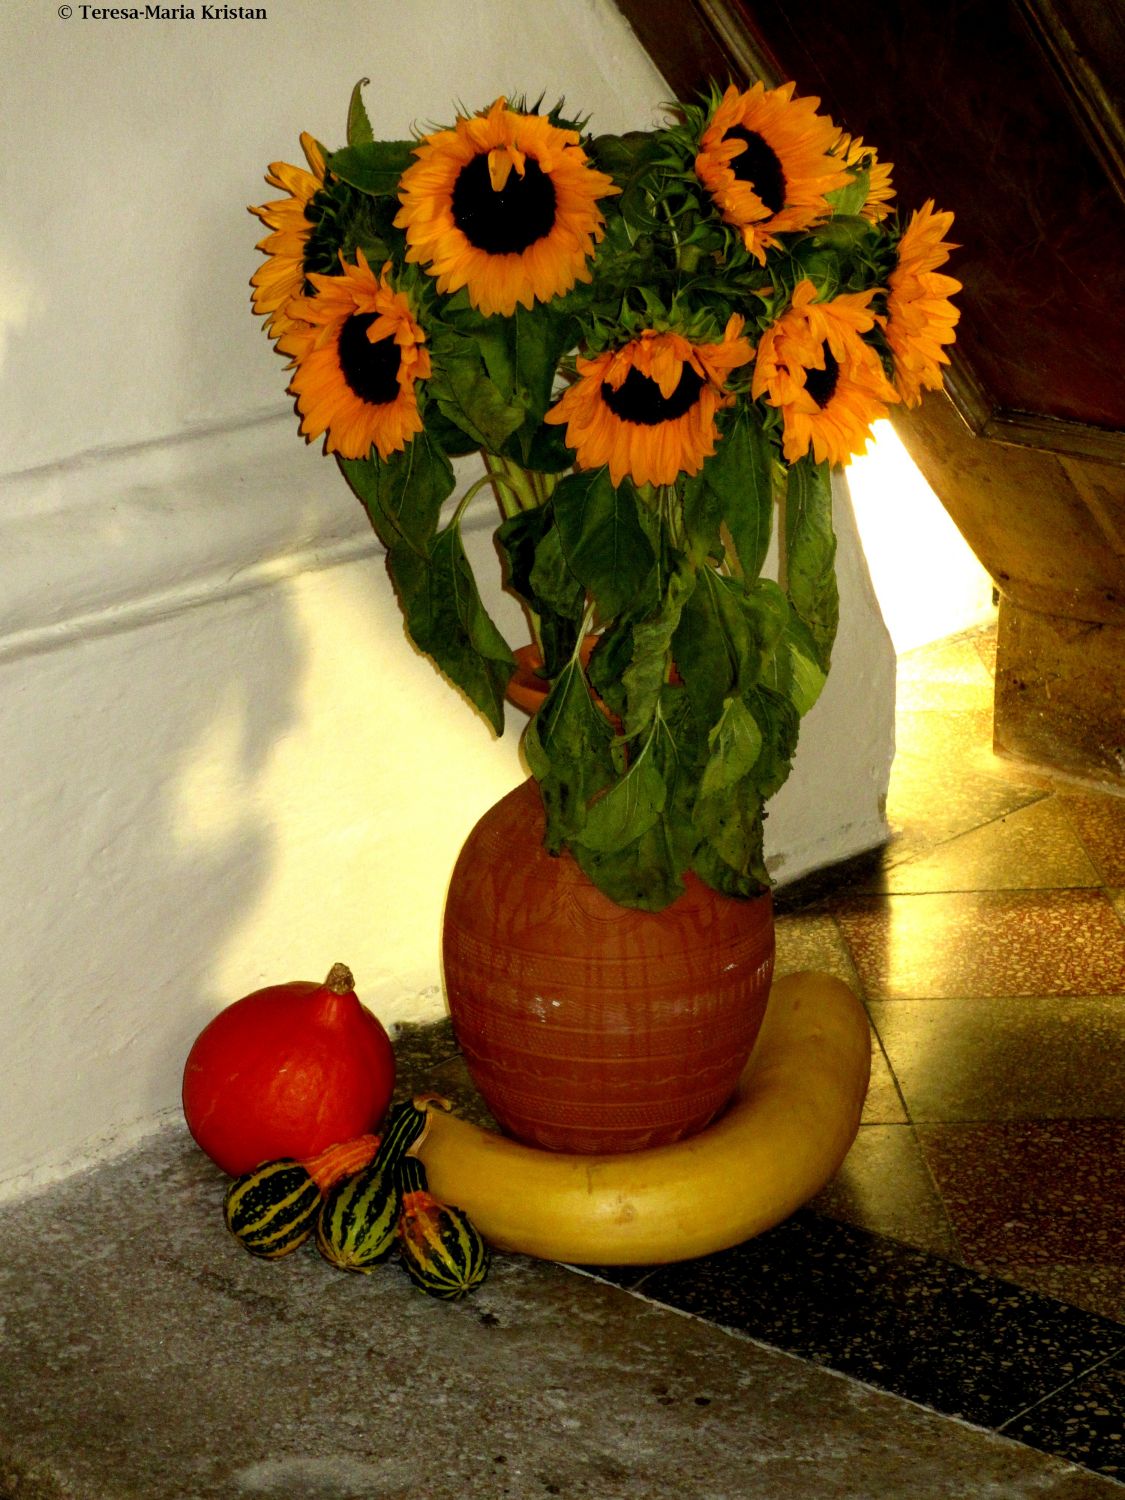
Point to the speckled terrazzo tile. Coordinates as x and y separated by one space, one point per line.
1031 847
451 1079
1006 1059
933 799
948 675
148 1358
1099 819
420 1047
1085 1421
961 739
950 1338
1033 1193
885 1186
1099 1289
883 1104
985 943
984 643
811 940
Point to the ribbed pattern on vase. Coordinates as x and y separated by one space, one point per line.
588 1026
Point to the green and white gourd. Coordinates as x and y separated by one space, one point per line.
355 1228
441 1248
272 1210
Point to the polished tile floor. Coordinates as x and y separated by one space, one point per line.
970 1255
988 943
976 1233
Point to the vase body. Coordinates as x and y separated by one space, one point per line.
588 1026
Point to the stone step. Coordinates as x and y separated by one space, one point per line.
147 1357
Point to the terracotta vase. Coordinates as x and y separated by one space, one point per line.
587 1026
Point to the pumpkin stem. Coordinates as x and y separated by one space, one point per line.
342 1160
433 1101
340 980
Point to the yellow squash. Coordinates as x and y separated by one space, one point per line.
788 1128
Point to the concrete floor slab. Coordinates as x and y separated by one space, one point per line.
147 1357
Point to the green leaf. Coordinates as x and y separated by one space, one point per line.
446 620
732 859
540 339
810 553
647 872
627 810
736 743
493 340
517 538
607 666
567 745
728 810
605 544
454 440
404 493
468 396
553 585
807 676
648 670
359 126
558 599
374 167
769 614
712 644
702 518
738 475
780 725
851 198
644 875
624 156
542 447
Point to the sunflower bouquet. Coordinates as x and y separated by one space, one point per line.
655 341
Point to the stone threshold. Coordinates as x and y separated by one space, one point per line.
145 1354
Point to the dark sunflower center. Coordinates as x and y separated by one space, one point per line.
821 384
759 166
371 370
638 398
508 221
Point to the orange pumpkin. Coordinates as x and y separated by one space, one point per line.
287 1072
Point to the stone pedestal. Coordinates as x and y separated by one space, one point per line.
1060 692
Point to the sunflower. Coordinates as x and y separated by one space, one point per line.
829 385
358 351
505 205
853 153
283 276
766 160
920 318
648 408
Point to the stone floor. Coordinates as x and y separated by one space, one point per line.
944 1320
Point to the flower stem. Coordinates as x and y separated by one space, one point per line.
512 478
477 485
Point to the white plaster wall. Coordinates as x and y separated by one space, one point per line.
901 521
222 764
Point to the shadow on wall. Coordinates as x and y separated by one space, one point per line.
113 914
237 795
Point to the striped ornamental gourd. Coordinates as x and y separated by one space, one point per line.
272 1210
441 1248
355 1228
